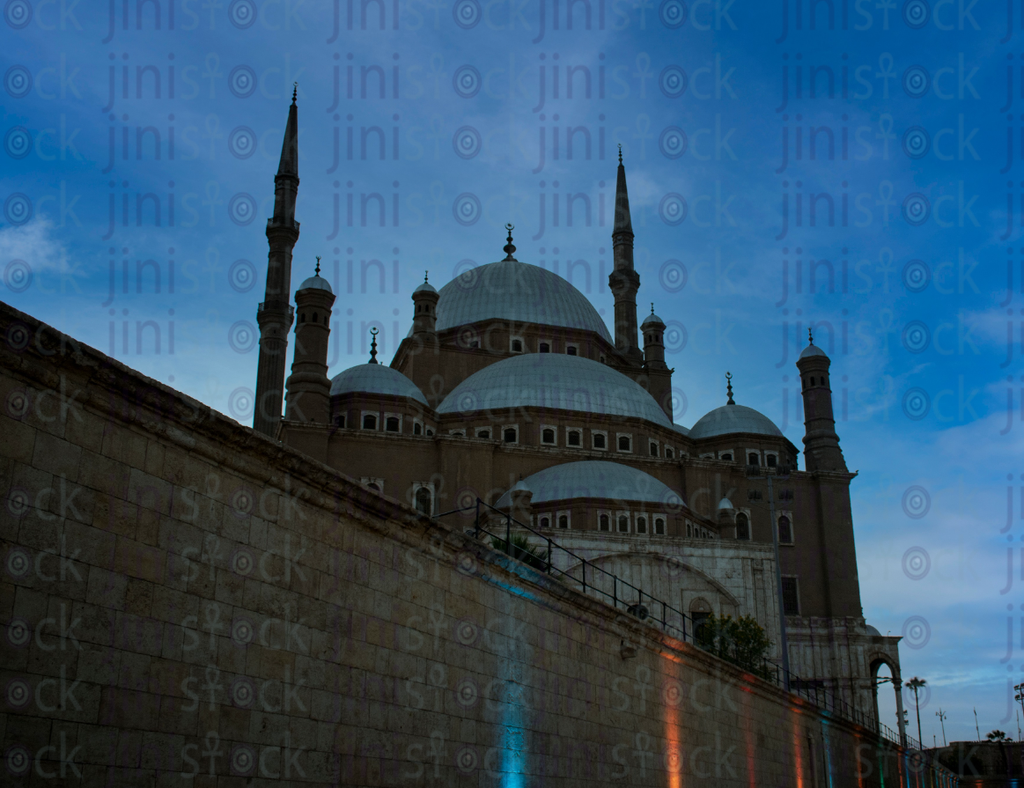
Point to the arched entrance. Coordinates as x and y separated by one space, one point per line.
893 680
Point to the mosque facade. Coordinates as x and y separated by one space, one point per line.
510 389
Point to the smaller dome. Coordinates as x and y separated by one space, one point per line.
316 283
596 479
652 320
730 419
521 487
725 503
375 379
812 350
425 287
872 631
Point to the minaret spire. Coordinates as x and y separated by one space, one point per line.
275 314
624 281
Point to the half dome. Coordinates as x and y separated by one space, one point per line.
518 292
730 419
375 379
316 283
597 479
557 382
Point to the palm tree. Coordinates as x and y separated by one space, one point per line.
996 735
915 684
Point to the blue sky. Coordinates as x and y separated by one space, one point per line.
910 268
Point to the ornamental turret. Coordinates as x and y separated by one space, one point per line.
821 443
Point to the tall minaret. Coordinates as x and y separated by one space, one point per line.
821 443
624 281
275 314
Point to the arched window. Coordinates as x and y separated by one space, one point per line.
547 436
373 486
315 318
517 346
641 525
302 317
369 422
602 523
339 420
727 456
659 526
545 347
417 428
771 461
785 530
574 438
571 350
392 424
623 524
700 611
424 502
485 434
545 522
624 443
654 449
668 454
510 435
753 459
742 526
599 441
563 521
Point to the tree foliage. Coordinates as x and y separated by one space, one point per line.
521 549
997 735
741 641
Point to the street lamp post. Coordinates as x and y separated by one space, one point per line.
783 640
942 721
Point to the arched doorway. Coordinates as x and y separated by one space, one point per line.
888 695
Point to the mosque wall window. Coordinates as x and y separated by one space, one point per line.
743 526
371 483
785 528
516 344
510 433
790 596
707 456
392 422
622 522
572 350
659 526
641 523
669 453
573 437
544 346
599 439
771 459
564 520
483 432
423 497
624 442
545 521
753 457
548 435
725 455
369 421
339 420
654 448
457 433
604 521
417 427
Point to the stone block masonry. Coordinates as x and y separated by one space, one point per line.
188 603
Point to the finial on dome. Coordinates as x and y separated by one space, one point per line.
652 303
373 345
509 247
728 388
620 153
318 265
810 336
425 275
295 91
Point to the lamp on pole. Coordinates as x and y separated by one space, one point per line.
783 640
915 684
942 720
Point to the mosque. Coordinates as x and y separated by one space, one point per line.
510 389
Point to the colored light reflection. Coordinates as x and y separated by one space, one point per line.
671 701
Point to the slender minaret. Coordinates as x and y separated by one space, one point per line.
821 443
275 313
624 281
659 376
309 389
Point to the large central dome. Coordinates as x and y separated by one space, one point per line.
520 292
555 381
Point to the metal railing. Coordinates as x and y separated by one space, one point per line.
595 580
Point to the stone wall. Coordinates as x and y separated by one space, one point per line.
185 602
